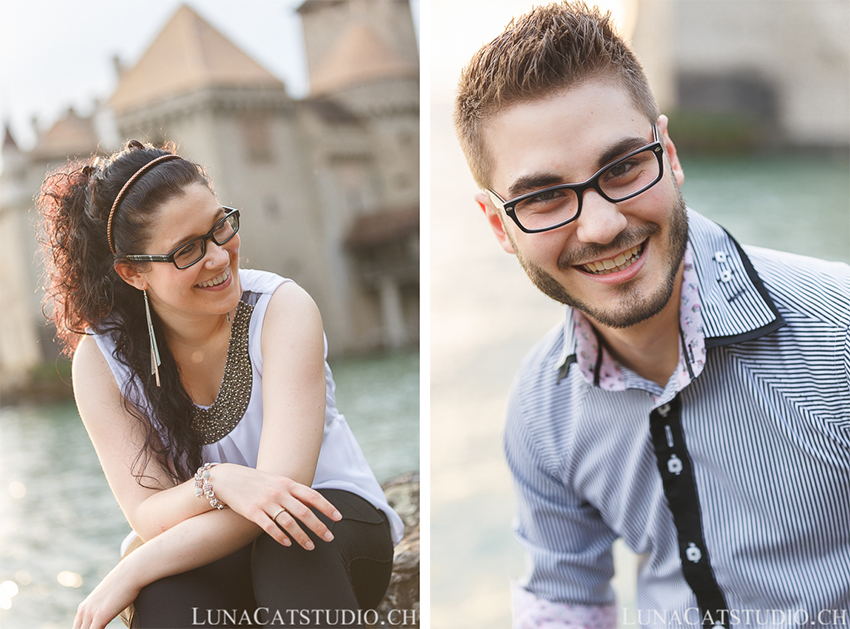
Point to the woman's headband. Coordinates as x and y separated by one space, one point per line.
123 190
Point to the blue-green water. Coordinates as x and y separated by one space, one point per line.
60 521
800 205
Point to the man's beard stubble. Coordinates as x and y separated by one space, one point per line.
633 308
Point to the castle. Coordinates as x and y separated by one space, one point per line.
328 185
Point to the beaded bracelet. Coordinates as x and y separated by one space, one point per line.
203 487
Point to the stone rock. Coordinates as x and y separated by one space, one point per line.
400 606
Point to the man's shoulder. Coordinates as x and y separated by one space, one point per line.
539 389
786 263
541 364
819 289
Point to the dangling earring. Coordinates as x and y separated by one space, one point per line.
228 316
155 361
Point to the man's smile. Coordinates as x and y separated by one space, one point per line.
619 262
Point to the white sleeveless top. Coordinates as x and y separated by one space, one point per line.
231 427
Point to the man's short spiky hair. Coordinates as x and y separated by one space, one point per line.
549 49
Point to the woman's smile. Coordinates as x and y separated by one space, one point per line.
219 282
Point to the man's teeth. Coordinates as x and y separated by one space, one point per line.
216 280
620 263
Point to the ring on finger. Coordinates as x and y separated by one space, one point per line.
279 511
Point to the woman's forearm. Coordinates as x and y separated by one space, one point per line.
167 508
253 495
189 544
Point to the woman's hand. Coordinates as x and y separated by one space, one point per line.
275 503
112 595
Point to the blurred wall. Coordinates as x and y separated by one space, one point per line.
755 75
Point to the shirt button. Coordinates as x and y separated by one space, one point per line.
674 465
725 275
693 553
720 256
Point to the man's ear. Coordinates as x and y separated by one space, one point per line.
130 274
675 164
494 217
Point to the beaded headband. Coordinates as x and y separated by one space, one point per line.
129 183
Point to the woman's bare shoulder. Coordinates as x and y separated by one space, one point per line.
292 307
88 362
95 389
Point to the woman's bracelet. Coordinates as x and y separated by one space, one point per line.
203 487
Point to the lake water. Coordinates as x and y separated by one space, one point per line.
485 316
801 205
61 528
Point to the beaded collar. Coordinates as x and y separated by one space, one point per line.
217 421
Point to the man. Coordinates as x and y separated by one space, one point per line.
695 401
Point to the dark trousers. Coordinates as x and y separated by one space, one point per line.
277 585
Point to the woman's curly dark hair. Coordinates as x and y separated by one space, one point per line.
83 292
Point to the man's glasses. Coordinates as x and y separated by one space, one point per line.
555 206
193 251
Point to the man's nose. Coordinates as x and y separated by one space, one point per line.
600 220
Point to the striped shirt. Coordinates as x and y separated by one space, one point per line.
757 438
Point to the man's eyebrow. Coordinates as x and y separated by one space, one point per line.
176 244
530 183
618 149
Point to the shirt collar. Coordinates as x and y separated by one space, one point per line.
736 306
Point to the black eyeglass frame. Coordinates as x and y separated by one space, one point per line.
169 257
580 188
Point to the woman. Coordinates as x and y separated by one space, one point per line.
206 394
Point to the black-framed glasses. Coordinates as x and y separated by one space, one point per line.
193 251
555 206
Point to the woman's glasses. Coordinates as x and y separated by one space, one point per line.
193 251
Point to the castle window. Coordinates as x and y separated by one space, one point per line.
256 130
